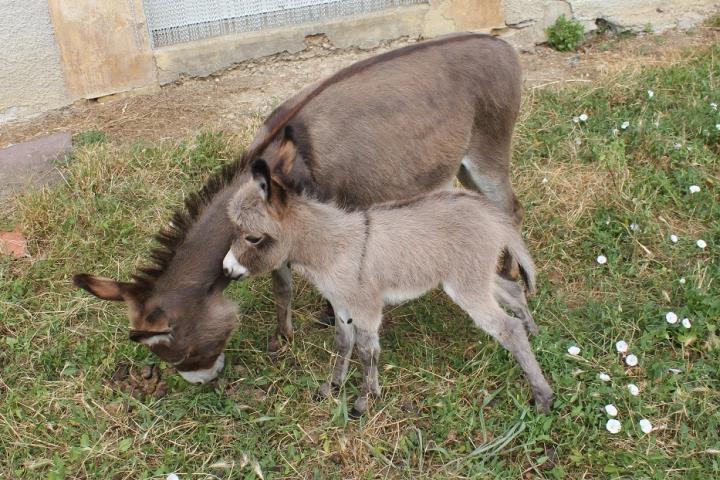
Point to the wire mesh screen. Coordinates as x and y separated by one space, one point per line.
178 21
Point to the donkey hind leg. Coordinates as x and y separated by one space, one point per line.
368 350
485 169
282 290
344 343
511 295
509 332
327 316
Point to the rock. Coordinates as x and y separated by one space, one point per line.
13 244
32 163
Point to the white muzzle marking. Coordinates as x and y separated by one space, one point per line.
161 339
204 376
232 268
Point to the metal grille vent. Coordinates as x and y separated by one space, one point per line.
178 21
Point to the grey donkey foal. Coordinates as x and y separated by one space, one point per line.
389 253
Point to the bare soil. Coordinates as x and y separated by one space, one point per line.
232 100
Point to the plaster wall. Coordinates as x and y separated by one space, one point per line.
30 72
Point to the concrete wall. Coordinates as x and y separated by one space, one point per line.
50 57
31 78
527 19
365 31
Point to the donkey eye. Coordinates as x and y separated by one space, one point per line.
253 240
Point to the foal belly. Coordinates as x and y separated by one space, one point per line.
393 297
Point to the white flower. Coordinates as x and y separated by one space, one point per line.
631 360
604 377
713 105
613 426
645 425
677 146
621 346
634 227
625 125
544 180
172 476
601 259
634 390
583 117
701 243
694 189
574 350
651 94
671 317
611 410
717 126
682 280
673 238
686 323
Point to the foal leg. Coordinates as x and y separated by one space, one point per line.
368 350
510 333
511 295
344 343
282 290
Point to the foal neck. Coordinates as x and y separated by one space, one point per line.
324 235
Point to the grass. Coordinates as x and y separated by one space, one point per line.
454 403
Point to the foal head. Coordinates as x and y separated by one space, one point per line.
258 212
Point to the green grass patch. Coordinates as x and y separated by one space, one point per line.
454 404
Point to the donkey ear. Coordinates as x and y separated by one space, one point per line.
105 288
286 154
261 174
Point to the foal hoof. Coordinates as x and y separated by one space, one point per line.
544 402
325 391
355 414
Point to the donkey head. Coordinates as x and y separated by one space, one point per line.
165 321
257 211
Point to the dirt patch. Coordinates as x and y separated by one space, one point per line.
234 99
138 382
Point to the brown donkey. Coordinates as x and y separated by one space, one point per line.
386 128
365 259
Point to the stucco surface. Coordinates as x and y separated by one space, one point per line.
30 72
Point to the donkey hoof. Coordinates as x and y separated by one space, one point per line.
275 345
326 320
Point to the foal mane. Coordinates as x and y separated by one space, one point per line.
172 236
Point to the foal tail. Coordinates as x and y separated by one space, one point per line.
516 247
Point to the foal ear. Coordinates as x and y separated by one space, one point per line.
105 288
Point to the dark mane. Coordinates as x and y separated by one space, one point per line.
172 236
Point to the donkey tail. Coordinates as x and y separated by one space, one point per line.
516 247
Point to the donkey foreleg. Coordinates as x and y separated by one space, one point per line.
344 343
368 350
282 290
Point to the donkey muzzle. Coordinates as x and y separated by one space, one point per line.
233 269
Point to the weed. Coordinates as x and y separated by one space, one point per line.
565 35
